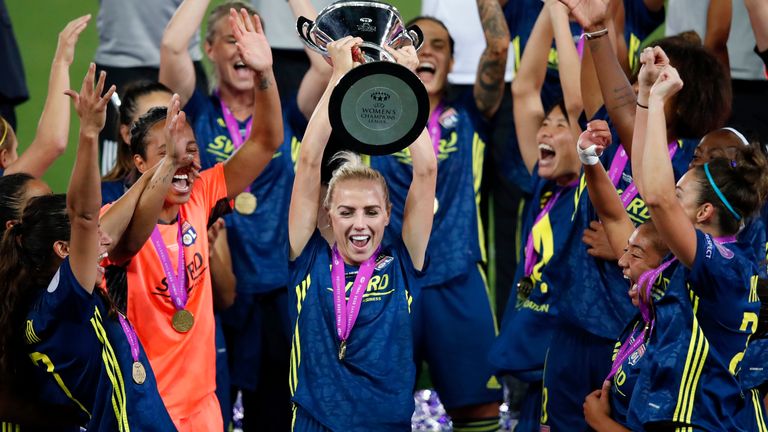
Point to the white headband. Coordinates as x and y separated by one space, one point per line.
738 134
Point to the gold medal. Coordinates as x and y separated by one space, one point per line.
182 321
139 373
524 288
342 350
245 203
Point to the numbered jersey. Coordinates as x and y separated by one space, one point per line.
372 388
82 358
457 239
703 324
530 320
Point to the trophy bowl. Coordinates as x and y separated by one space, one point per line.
377 24
379 107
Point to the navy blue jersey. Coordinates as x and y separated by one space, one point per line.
754 368
82 358
529 323
257 241
521 16
639 23
623 382
372 388
111 191
703 323
457 240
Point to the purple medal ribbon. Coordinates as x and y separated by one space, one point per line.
234 127
617 168
530 252
177 283
645 283
347 311
434 127
130 334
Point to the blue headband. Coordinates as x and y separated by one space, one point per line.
720 194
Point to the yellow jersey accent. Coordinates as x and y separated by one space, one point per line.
119 404
757 402
30 334
293 373
698 349
38 358
493 383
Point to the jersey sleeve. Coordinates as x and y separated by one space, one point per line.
63 300
716 267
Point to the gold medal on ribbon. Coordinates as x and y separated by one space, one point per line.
524 288
245 203
342 350
182 321
139 373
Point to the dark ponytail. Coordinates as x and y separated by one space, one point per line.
742 183
12 189
27 266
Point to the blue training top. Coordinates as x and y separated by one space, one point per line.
529 323
457 240
257 242
372 388
83 359
703 323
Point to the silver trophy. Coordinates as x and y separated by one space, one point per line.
379 107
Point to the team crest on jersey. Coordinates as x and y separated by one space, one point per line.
383 261
637 355
188 234
449 118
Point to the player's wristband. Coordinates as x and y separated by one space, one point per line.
595 34
589 155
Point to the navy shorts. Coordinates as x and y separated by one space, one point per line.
577 364
454 328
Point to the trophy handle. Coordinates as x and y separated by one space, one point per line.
303 26
416 35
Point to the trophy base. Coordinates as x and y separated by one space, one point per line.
378 108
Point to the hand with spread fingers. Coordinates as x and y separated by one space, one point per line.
175 141
250 40
90 105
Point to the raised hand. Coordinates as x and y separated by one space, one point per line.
667 84
343 53
65 50
589 13
90 105
653 61
175 141
598 134
405 56
250 40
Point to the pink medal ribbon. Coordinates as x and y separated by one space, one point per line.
233 126
177 283
433 127
617 168
347 311
645 283
530 251
138 372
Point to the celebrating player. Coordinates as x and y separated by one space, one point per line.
352 340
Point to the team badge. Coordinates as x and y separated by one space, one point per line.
383 262
637 355
188 234
449 118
